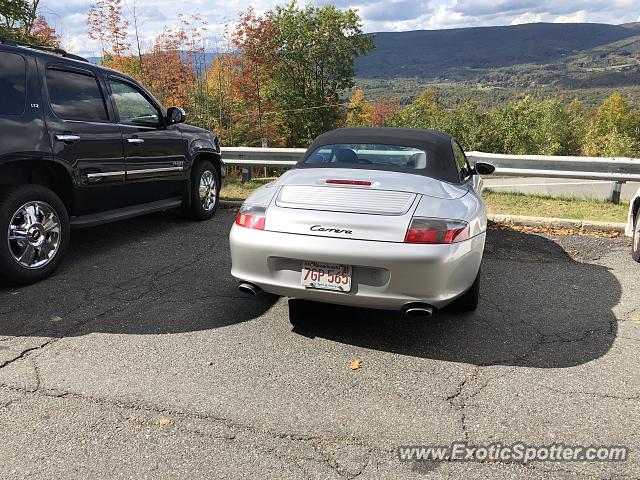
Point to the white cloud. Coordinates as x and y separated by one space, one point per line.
527 17
69 17
578 17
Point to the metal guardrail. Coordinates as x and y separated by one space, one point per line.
615 169
261 157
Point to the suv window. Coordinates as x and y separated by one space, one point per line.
76 96
13 84
133 107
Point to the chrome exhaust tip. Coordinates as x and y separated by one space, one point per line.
417 310
249 288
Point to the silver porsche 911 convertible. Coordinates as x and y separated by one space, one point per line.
374 217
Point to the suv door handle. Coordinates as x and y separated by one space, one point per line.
67 137
135 140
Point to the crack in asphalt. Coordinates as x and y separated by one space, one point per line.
316 442
589 394
459 401
27 352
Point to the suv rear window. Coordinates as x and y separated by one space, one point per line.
394 156
13 84
76 96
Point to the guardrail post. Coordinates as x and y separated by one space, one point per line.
246 174
614 194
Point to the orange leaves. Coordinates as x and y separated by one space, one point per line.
108 27
45 33
164 422
355 364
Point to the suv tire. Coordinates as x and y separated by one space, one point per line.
205 191
34 234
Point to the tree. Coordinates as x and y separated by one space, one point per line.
97 24
614 130
223 96
359 111
314 64
170 74
108 26
424 112
254 41
384 111
19 19
531 127
470 125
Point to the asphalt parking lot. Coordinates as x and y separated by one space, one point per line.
139 359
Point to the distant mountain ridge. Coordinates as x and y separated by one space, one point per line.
465 53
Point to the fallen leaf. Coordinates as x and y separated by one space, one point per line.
555 231
164 422
137 420
355 364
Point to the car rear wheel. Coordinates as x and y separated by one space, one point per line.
205 191
635 245
34 228
468 302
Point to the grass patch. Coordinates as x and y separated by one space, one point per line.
503 203
506 203
236 190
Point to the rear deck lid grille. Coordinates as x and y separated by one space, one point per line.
345 199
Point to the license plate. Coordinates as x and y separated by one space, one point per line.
326 276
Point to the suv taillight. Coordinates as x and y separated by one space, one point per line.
436 231
251 216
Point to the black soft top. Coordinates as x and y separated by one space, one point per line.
441 163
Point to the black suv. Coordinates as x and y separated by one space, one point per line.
82 145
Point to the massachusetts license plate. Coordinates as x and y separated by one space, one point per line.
326 276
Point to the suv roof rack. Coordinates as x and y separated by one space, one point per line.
44 48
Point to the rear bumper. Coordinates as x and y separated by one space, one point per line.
385 275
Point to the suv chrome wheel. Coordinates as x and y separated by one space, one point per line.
208 190
34 235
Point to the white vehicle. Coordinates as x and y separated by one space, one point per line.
633 226
381 218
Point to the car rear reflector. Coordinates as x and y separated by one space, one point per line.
363 183
436 231
251 217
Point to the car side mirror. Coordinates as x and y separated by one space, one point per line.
481 168
175 115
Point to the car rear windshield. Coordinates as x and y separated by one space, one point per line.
363 154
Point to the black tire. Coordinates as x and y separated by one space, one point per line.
468 302
635 243
12 272
197 210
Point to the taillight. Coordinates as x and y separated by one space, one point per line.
251 216
436 231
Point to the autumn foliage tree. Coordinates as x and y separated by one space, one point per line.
384 110
254 41
20 20
44 33
108 26
168 67
170 76
359 111
302 61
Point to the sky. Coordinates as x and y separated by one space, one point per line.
69 16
